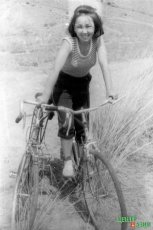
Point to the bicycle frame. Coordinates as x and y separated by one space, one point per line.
88 173
39 123
51 108
88 143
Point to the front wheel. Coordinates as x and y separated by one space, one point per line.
103 194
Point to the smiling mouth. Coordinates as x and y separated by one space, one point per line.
85 36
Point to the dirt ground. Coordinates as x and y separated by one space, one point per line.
31 32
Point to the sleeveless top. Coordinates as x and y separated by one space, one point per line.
77 64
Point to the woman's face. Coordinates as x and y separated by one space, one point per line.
84 28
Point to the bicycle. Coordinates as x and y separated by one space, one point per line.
94 174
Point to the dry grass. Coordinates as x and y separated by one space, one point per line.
61 202
123 131
56 213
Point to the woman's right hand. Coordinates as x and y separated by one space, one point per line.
40 98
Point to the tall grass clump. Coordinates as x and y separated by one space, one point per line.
123 132
56 212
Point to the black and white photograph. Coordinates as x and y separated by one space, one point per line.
76 120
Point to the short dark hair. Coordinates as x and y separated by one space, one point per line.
87 10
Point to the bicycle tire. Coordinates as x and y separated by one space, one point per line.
103 194
77 197
25 194
27 183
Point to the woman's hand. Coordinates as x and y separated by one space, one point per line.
41 99
112 96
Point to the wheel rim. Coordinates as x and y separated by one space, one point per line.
25 197
101 196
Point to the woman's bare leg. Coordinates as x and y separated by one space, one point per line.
68 165
66 147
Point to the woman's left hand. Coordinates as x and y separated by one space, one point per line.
112 96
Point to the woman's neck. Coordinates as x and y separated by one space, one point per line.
83 43
84 47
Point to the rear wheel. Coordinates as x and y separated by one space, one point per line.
26 194
27 183
103 194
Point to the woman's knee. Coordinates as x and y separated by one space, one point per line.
66 126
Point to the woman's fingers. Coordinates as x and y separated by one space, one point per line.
113 96
38 95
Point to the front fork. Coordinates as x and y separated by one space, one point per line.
89 148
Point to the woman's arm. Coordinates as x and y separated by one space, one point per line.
102 58
61 57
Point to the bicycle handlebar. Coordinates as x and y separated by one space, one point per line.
61 108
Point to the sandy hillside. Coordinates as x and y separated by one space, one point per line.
31 32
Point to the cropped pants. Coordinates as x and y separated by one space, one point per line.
71 92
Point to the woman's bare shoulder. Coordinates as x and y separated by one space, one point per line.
68 40
100 41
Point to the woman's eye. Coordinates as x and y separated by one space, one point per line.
81 27
89 27
78 27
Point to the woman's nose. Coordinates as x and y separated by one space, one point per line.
84 30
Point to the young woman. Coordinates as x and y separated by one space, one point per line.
69 83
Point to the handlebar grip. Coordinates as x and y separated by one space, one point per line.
19 118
